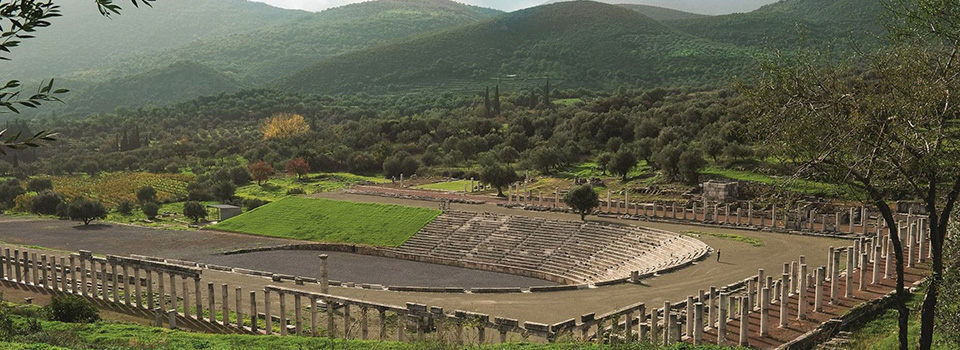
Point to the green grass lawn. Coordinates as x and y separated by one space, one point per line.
881 333
453 186
325 220
734 237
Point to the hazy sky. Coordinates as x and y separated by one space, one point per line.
317 5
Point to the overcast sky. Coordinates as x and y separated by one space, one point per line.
317 5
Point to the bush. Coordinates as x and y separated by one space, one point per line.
71 309
150 210
23 203
84 210
295 191
9 191
46 203
125 208
63 210
252 204
146 194
239 176
224 191
194 210
39 185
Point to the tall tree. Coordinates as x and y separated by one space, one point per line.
496 100
885 131
486 102
499 176
583 200
546 94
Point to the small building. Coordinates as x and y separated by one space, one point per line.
226 211
720 191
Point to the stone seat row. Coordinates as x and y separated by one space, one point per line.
583 252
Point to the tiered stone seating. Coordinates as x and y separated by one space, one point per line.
582 252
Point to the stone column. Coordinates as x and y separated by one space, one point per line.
830 263
297 316
726 215
608 201
764 312
744 323
73 272
282 313
626 200
698 324
784 302
751 287
331 326
818 293
126 284
212 299
253 311
667 320
863 272
173 291
10 262
773 216
722 319
172 317
267 320
225 306
556 197
239 300
835 279
876 264
198 296
712 308
324 281
313 315
887 260
794 285
802 294
863 219
44 276
912 238
848 277
36 267
136 287
186 297
641 323
761 277
113 275
150 304
63 274
851 221
16 266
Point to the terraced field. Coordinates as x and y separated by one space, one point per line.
113 188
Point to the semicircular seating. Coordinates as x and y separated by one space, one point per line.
585 252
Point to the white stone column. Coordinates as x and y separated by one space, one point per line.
722 319
818 293
744 323
802 294
848 277
324 277
784 301
764 312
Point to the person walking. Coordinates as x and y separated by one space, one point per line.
718 255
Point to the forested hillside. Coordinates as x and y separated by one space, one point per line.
82 39
661 13
785 24
577 44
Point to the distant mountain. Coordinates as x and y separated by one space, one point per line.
575 44
176 82
705 7
264 54
662 13
82 38
786 23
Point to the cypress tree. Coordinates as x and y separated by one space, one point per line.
486 102
546 94
533 99
496 100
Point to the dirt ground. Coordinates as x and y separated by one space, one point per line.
739 260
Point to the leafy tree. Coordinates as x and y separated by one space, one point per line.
603 161
81 209
401 163
689 165
498 176
260 172
223 191
545 159
583 200
887 132
46 202
38 185
147 194
194 210
668 159
284 126
150 210
239 176
621 163
9 191
713 147
297 167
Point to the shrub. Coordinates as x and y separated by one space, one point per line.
295 191
23 203
125 208
194 210
9 191
252 204
71 309
46 203
84 210
223 191
146 194
39 185
239 176
150 210
63 210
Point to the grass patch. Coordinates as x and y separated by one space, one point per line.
451 186
793 185
743 239
325 220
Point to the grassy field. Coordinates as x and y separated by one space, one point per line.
734 237
792 185
325 220
881 332
453 186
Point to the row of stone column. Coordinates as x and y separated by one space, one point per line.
351 319
519 194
